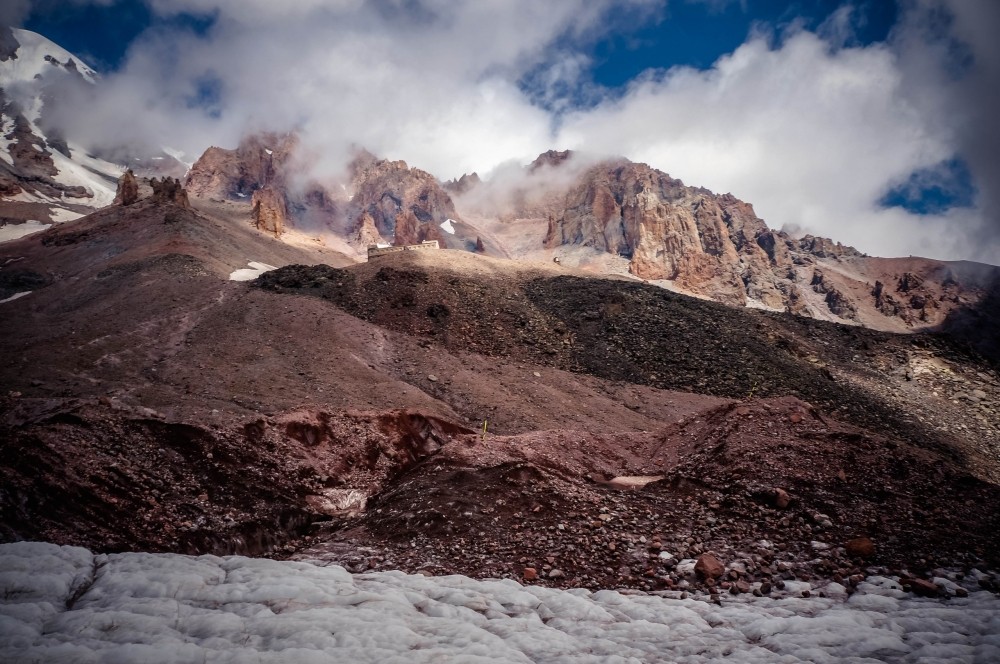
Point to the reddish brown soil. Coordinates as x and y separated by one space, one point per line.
148 402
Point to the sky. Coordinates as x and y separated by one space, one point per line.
868 121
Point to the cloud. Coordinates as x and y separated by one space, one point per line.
811 132
14 12
810 127
434 82
950 59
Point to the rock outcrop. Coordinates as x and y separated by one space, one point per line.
366 234
838 303
169 190
405 204
270 210
703 242
258 161
128 189
826 248
158 191
32 167
463 185
550 158
381 200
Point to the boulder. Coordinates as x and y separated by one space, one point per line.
709 567
860 547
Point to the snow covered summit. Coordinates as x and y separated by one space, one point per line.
43 176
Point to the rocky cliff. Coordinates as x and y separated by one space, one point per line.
706 244
711 244
259 160
380 200
406 205
685 238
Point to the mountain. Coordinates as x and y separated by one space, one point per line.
607 216
605 378
379 201
358 413
44 177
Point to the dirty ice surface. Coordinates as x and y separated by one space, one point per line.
64 604
250 273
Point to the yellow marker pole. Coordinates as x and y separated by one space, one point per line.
484 430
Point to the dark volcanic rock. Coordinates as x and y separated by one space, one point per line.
860 547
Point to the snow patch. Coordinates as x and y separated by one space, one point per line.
26 197
14 231
447 226
61 215
249 274
64 604
16 296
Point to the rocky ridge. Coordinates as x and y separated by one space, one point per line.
710 245
684 238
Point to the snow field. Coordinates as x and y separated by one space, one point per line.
30 60
14 231
64 604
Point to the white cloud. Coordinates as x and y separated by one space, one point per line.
811 135
432 82
13 12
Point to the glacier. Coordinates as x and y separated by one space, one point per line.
66 604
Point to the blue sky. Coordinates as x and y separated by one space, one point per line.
697 33
687 33
845 118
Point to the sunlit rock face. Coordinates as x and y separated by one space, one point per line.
708 243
